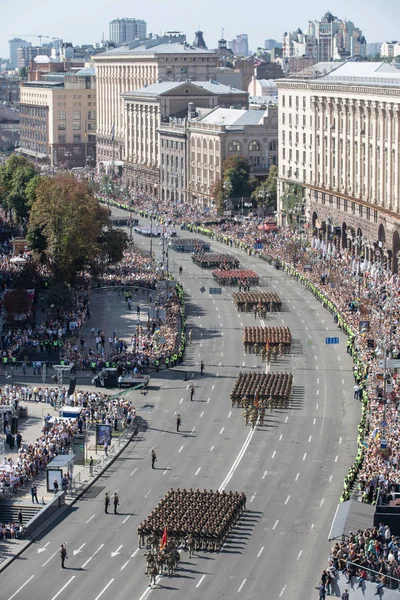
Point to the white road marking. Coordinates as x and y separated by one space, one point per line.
317 392
260 552
281 436
134 554
317 368
243 363
297 476
133 472
316 406
63 588
208 400
252 498
89 559
116 552
321 503
302 320
265 474
338 357
181 448
316 357
229 416
273 454
198 471
287 499
286 420
309 439
75 552
305 454
237 460
212 448
315 420
181 401
241 585
213 386
221 430
200 581
330 478
104 589
312 526
201 414
40 550
275 525
22 587
149 492
49 559
299 554
343 381
282 591
125 520
193 429
336 458
124 565
317 379
340 440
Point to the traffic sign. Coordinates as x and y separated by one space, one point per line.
332 340
215 291
258 246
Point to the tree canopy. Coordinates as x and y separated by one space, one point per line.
266 193
235 183
70 230
15 177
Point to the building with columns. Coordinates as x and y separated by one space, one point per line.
148 109
134 66
339 137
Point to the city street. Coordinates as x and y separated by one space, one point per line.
291 469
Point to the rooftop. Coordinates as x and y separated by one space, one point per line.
353 73
152 47
157 89
234 116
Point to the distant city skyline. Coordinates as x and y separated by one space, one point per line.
85 23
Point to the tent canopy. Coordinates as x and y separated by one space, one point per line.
351 516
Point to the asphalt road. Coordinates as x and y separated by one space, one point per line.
291 469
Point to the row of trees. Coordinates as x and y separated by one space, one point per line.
237 183
65 226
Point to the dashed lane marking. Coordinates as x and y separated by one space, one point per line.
198 471
265 474
64 586
297 476
273 454
305 455
200 581
299 554
260 552
287 500
241 585
180 449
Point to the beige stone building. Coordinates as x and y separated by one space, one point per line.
339 140
133 66
58 119
227 132
152 107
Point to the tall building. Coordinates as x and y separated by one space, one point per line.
338 140
374 48
58 119
326 40
390 49
149 108
14 44
127 30
134 66
270 44
240 45
26 54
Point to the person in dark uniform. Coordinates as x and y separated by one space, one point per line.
191 392
106 502
201 368
178 422
116 502
153 459
64 555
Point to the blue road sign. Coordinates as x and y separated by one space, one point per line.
332 340
215 290
258 246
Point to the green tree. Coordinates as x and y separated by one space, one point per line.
266 193
69 221
23 73
292 205
15 176
236 182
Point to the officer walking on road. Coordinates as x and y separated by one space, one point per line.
201 368
106 502
153 459
64 555
191 392
178 422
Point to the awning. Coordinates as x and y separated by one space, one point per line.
351 516
31 152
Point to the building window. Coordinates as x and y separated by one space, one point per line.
76 125
91 139
368 213
345 205
360 210
76 150
234 147
61 127
62 139
61 115
283 100
353 207
375 216
77 138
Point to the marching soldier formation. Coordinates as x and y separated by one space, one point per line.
236 277
215 260
194 520
258 302
190 245
256 392
271 339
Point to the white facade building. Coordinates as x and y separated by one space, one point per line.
339 137
390 49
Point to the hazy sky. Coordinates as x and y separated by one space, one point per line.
80 21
